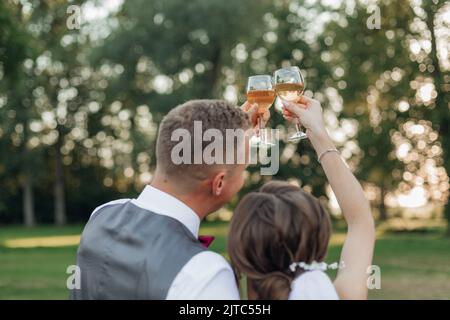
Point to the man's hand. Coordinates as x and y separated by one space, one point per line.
254 113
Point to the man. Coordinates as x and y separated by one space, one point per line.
148 248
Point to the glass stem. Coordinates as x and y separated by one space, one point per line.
260 124
297 126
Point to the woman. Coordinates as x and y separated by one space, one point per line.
279 235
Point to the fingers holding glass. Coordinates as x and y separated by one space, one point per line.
289 116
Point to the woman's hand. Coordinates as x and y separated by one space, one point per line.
308 112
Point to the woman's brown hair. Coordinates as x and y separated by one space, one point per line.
272 228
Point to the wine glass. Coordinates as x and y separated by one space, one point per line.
289 86
261 92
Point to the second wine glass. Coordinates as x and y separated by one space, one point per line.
289 86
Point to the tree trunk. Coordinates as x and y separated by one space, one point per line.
29 217
60 204
447 216
382 207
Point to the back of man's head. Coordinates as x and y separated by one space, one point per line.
183 123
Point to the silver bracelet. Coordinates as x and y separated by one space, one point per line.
326 151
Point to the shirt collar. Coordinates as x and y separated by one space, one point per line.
163 203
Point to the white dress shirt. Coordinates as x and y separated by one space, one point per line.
207 275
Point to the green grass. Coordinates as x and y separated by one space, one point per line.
413 266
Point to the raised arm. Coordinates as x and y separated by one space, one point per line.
357 252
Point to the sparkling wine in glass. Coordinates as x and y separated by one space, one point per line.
289 86
261 92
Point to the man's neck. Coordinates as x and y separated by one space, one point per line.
193 200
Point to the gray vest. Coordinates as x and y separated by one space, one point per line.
127 252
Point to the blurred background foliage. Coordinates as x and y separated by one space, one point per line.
80 108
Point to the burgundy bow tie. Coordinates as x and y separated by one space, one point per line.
206 240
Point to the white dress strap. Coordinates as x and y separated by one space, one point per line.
313 285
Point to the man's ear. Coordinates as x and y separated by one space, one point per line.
218 183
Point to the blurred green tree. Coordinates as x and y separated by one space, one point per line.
79 108
382 73
16 111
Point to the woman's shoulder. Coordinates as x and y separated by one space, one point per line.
313 285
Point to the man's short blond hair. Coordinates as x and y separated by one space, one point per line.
213 114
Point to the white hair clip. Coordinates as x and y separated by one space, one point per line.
315 266
333 266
